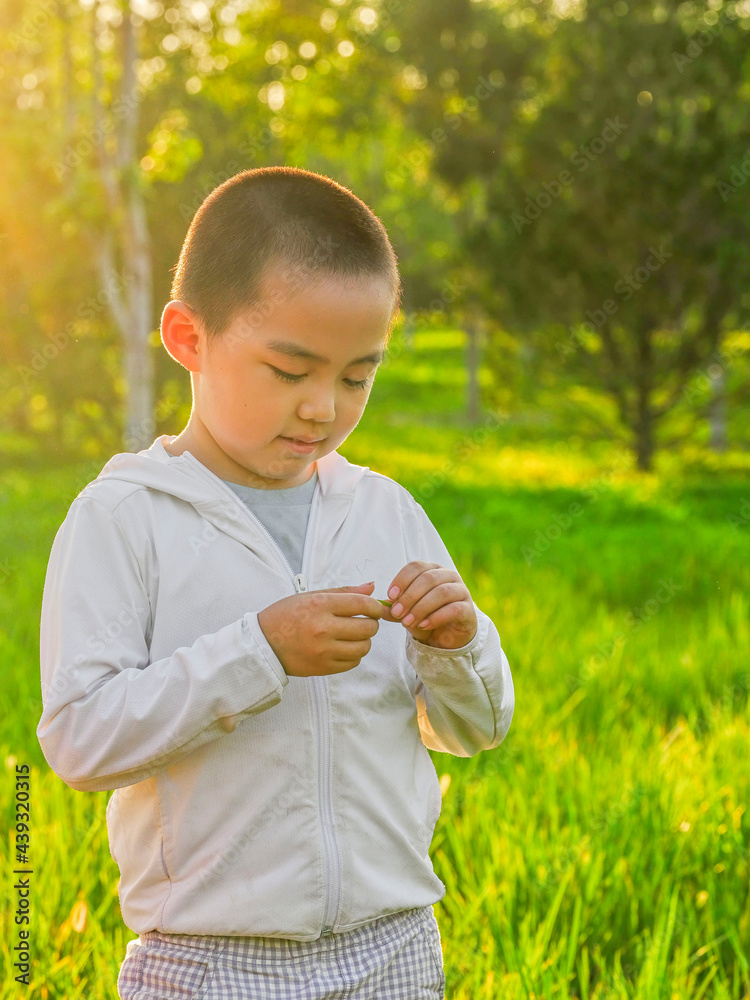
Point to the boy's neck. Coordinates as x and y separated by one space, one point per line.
205 449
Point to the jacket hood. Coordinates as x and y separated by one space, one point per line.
185 477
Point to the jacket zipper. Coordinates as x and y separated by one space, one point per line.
320 704
324 792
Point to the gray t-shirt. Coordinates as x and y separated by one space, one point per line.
283 512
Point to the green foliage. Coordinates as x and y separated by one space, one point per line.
451 121
614 183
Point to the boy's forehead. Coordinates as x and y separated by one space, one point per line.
290 285
316 319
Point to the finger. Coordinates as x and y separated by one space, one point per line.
424 584
351 650
348 605
353 629
387 616
367 606
442 595
406 576
457 613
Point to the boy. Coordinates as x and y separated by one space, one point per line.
263 722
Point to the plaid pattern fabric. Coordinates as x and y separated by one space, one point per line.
397 957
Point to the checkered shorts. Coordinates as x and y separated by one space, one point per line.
397 957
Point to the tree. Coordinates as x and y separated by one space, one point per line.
613 159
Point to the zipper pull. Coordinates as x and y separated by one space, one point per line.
300 583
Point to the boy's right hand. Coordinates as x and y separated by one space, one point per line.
316 633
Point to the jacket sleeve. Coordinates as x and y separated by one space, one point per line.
110 717
465 696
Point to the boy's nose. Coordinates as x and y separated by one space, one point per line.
320 410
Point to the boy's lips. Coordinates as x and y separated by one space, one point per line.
302 445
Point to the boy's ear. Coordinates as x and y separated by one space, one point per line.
182 335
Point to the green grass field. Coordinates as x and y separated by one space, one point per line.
603 849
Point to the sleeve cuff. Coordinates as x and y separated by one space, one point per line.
256 635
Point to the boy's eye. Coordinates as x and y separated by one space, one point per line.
287 377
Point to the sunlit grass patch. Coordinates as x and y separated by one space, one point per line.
603 849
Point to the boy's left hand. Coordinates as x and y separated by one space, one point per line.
435 605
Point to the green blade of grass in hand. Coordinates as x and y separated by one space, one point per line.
388 604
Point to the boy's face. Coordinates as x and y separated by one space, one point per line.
256 392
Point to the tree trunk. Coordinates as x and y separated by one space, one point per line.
526 364
68 99
407 330
717 413
645 418
473 353
644 440
132 308
139 366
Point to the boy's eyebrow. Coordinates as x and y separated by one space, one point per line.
293 350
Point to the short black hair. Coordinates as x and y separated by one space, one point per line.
304 224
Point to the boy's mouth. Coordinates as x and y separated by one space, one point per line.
302 445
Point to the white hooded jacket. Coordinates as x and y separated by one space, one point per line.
248 801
